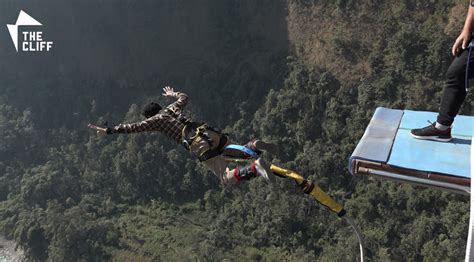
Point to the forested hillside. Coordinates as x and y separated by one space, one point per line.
305 74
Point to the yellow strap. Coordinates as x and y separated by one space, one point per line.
287 173
325 200
317 193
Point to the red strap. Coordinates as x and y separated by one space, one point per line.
236 170
254 171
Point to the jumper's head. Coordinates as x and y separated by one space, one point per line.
151 109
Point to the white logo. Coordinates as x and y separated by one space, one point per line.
31 40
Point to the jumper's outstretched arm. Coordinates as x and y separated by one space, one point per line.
177 106
98 129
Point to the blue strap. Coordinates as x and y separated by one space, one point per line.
471 45
243 149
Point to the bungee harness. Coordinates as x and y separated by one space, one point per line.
194 130
211 153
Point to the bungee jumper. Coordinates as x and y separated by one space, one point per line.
215 149
207 143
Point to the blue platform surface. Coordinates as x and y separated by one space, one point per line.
387 140
451 158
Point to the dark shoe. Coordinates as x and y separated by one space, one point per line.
263 168
432 133
258 146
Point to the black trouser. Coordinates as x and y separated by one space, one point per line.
455 89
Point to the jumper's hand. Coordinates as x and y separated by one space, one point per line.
99 130
461 42
168 91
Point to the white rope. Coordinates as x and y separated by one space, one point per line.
359 236
470 243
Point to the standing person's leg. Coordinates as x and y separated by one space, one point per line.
453 96
455 90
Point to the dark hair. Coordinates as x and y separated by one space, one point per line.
151 109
